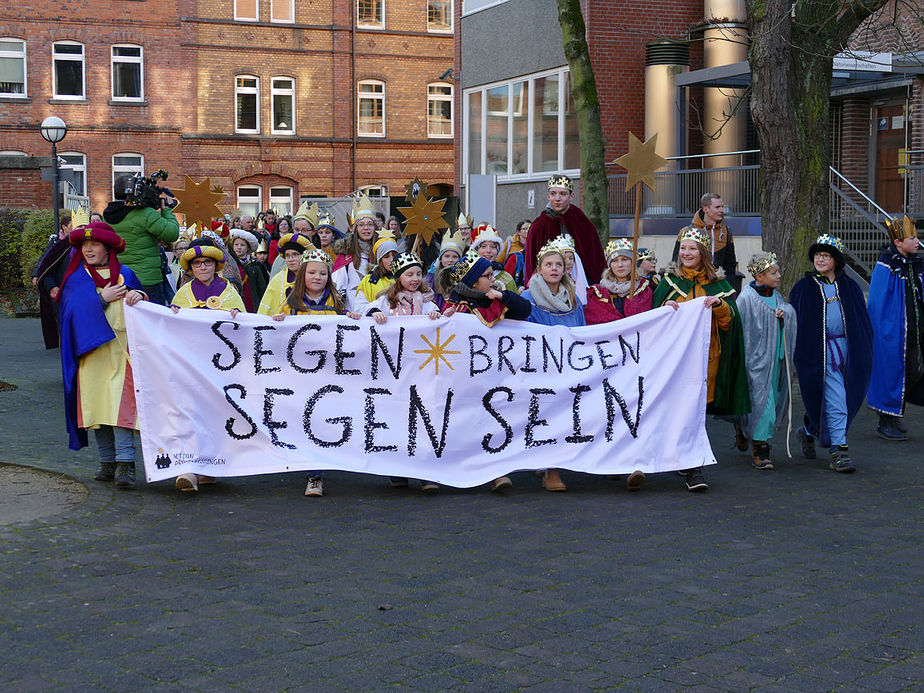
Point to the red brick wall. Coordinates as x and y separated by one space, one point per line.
24 188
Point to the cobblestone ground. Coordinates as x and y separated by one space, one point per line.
799 579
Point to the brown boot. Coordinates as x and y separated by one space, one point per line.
551 481
761 454
741 440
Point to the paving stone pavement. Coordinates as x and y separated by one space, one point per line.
799 579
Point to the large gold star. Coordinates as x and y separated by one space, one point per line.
437 352
424 218
199 202
641 162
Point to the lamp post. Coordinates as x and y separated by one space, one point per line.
54 130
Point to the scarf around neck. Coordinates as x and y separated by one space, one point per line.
559 302
616 287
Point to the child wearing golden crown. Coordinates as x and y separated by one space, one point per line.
452 247
726 377
314 293
380 278
769 325
833 353
474 291
614 297
292 246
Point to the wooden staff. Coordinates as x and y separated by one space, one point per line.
638 213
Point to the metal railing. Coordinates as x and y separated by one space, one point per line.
857 220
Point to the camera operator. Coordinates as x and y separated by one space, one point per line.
142 227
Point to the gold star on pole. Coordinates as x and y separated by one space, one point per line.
424 218
413 189
437 352
199 202
641 162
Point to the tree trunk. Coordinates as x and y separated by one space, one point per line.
791 62
595 202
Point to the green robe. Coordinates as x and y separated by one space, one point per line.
731 382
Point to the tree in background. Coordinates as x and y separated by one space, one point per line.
594 199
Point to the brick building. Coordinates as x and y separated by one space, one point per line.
275 100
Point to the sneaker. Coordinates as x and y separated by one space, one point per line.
501 483
429 486
106 471
635 480
187 482
315 486
696 481
887 429
397 482
741 440
808 444
125 474
840 460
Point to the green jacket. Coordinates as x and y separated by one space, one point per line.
142 228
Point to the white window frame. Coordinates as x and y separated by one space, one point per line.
452 13
131 59
531 174
291 4
375 190
12 152
78 167
64 57
289 199
360 95
471 7
258 197
255 18
452 109
25 67
120 169
246 90
274 91
376 26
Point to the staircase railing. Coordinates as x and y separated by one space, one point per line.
857 220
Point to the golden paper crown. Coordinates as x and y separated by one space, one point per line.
701 236
188 233
363 208
556 245
261 248
80 217
315 255
463 220
561 181
617 246
452 240
403 262
901 229
350 219
309 214
761 262
646 254
463 266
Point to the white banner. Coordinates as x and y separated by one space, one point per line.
448 400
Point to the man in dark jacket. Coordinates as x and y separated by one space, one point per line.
711 218
142 228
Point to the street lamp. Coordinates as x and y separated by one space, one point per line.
54 130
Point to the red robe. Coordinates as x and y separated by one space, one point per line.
586 241
600 307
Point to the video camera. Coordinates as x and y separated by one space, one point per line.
145 192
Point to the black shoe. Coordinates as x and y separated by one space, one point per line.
899 424
106 471
840 460
808 445
696 481
888 430
125 474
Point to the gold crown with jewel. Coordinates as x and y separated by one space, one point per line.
315 255
463 266
618 246
833 241
403 262
761 262
561 181
559 245
701 236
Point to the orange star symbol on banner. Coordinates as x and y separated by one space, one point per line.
199 202
437 352
641 162
424 218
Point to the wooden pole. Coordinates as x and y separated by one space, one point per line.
638 213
